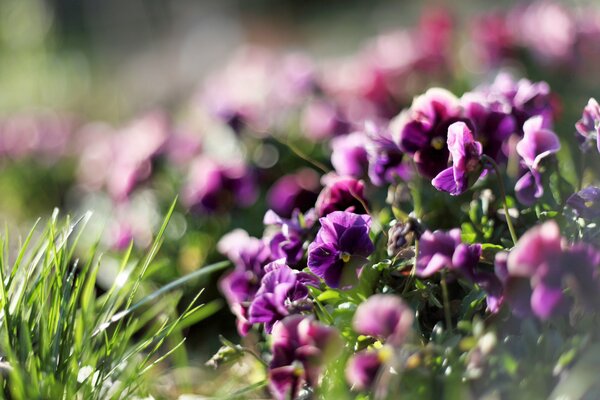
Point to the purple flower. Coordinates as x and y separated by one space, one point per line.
588 126
288 240
385 317
341 247
341 193
541 265
282 292
523 99
322 120
249 256
385 157
423 128
537 144
492 121
439 249
363 368
349 154
300 348
298 190
466 161
212 187
586 202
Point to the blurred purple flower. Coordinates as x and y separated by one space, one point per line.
541 265
439 249
385 317
363 367
294 191
586 202
288 241
213 187
341 247
588 126
523 99
300 347
385 157
537 144
349 154
421 131
249 255
493 123
341 193
282 292
322 120
466 161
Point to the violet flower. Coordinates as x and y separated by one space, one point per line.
541 265
363 368
349 154
288 240
439 249
466 161
492 121
300 347
586 202
282 292
294 191
422 129
537 144
385 157
341 193
385 317
239 286
588 126
213 187
341 247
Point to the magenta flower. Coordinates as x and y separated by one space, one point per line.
349 154
423 128
282 292
385 317
586 202
541 265
385 157
341 247
492 121
439 249
466 161
300 347
294 191
588 126
537 144
213 187
288 240
341 193
249 256
363 368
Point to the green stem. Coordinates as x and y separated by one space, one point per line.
446 302
511 228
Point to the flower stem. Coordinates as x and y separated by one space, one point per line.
446 302
511 228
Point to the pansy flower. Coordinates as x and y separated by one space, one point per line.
537 144
283 291
341 193
466 161
288 240
588 126
341 247
300 347
423 128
